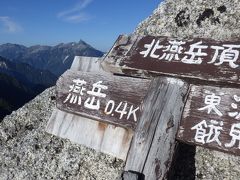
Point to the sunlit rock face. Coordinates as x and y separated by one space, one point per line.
28 152
215 19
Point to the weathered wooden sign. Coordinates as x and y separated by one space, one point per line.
211 118
102 137
153 144
112 99
196 58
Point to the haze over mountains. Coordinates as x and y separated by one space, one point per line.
56 59
27 71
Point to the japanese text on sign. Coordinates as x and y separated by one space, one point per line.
211 118
225 53
209 130
94 100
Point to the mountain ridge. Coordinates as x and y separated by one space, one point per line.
26 73
55 59
25 143
14 93
30 70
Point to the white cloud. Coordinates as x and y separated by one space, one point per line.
77 18
75 14
9 25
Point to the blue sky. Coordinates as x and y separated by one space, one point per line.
49 22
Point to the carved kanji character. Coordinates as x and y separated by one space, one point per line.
76 91
195 53
227 55
93 102
212 101
207 133
173 50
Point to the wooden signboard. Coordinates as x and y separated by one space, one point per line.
195 58
107 98
153 145
102 137
211 118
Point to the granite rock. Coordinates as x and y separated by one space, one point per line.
28 152
215 19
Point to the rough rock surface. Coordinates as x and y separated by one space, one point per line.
28 152
216 19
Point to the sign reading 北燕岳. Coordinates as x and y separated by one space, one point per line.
112 99
211 118
196 58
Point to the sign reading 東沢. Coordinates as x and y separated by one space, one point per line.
106 98
195 58
211 118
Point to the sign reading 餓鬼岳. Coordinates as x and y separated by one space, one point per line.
112 99
211 118
195 58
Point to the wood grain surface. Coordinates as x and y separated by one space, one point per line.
153 144
211 119
148 56
120 106
106 138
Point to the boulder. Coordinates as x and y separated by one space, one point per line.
28 152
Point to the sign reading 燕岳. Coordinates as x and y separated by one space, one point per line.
112 99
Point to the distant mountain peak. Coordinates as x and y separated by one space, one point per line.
56 59
82 42
79 44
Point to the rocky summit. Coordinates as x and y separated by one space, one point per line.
28 152
216 19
